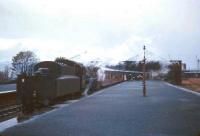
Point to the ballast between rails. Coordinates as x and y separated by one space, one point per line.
10 110
8 103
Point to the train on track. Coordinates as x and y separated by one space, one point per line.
52 80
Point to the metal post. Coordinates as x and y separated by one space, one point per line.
144 73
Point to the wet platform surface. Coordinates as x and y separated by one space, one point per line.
121 110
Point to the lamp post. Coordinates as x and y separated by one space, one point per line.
144 73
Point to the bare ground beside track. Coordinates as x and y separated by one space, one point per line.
192 84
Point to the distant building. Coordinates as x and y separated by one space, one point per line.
184 66
191 74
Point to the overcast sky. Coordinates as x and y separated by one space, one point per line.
108 30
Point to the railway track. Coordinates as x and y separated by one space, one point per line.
11 110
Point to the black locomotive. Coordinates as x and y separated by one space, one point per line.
51 80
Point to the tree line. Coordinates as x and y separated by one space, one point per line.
24 61
137 66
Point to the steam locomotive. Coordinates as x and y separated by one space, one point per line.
52 80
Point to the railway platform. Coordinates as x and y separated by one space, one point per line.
120 110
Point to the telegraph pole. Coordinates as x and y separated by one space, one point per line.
144 73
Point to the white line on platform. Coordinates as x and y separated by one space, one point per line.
2 92
183 89
7 124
